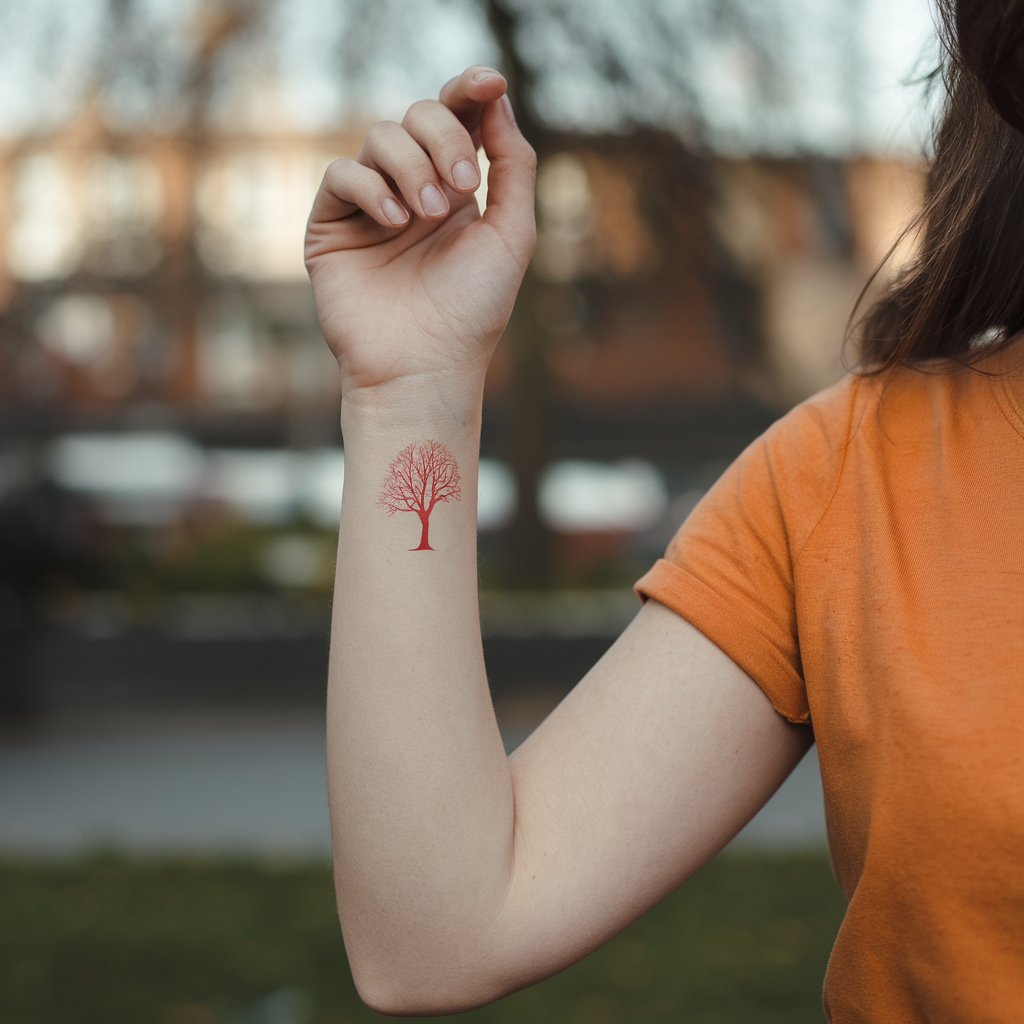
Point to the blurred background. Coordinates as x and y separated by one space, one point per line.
717 180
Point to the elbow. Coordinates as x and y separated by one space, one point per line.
400 973
396 999
393 1004
389 988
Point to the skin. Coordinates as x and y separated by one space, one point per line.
462 874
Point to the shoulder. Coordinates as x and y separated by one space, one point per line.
898 411
763 508
796 465
729 568
824 422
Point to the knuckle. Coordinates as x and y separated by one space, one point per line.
454 136
415 168
338 169
419 109
381 130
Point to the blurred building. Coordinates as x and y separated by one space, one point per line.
152 292
169 458
158 278
155 272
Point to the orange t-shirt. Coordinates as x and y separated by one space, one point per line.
863 562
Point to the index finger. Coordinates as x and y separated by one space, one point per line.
465 95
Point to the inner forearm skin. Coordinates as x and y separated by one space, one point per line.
420 793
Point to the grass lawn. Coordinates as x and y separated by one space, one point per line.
124 941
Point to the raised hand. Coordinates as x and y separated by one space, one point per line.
410 281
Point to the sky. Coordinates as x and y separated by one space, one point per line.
885 114
897 32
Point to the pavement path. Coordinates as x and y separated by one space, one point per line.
220 783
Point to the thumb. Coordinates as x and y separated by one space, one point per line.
510 180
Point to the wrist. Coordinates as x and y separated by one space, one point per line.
439 402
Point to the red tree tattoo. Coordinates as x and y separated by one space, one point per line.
421 477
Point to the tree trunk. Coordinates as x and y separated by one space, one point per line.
425 523
529 551
529 401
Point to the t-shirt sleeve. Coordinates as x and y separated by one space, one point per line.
731 567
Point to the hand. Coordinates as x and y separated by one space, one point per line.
410 281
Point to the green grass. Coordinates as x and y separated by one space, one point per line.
113 940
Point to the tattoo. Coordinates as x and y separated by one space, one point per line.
421 477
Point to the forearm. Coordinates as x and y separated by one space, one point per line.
420 792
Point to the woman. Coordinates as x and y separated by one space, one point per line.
855 578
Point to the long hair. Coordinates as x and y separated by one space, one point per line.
962 296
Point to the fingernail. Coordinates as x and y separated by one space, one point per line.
434 204
506 105
485 75
464 174
393 211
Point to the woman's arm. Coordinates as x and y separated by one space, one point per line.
462 875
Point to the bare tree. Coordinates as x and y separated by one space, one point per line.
575 67
421 477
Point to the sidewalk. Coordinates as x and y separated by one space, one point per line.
221 783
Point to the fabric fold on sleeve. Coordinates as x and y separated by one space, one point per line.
738 634
731 567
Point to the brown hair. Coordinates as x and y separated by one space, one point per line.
966 285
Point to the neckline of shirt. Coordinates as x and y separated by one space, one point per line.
1003 371
1009 384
